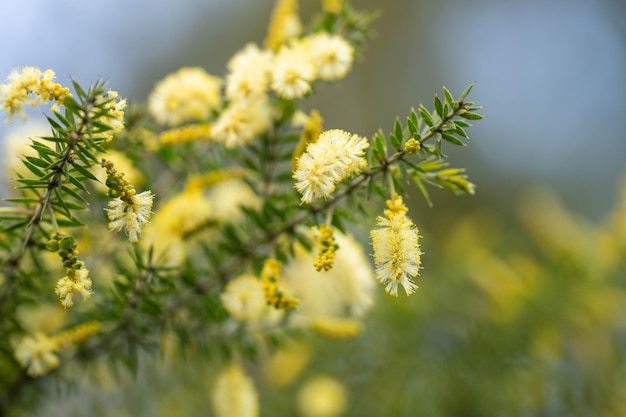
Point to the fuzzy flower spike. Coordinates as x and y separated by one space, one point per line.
396 248
129 211
335 156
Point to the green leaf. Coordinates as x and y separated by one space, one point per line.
38 162
472 116
379 147
452 139
448 95
426 117
438 106
73 193
466 92
422 188
398 131
84 171
32 168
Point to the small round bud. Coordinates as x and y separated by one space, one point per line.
52 245
63 253
67 242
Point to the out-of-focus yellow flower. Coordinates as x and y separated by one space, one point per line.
244 298
189 94
322 396
331 55
293 71
344 291
234 394
242 121
284 366
30 86
38 354
284 24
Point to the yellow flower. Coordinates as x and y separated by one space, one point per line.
322 396
396 248
38 354
190 94
30 87
332 55
344 291
78 282
244 298
249 75
336 155
174 223
332 6
242 121
293 71
284 23
130 214
234 394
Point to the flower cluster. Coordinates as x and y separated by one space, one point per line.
335 156
30 87
76 280
275 293
396 248
128 210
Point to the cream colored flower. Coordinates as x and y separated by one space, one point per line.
293 71
234 394
332 55
344 291
175 222
30 86
396 248
38 354
244 298
130 216
242 121
322 396
284 23
79 283
249 75
336 155
190 94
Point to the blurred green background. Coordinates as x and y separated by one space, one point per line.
521 306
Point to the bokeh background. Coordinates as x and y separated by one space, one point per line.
551 75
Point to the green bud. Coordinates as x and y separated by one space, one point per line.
112 182
52 245
67 242
63 253
113 193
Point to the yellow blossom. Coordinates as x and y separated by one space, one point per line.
242 121
30 87
322 396
336 155
332 6
331 55
312 125
396 248
275 293
249 74
234 394
337 327
176 221
38 354
327 248
293 71
344 291
284 366
184 134
78 282
244 298
284 23
130 214
190 94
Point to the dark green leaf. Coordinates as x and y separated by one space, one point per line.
426 117
452 139
84 171
438 106
472 116
448 95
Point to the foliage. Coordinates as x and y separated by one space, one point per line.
249 193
